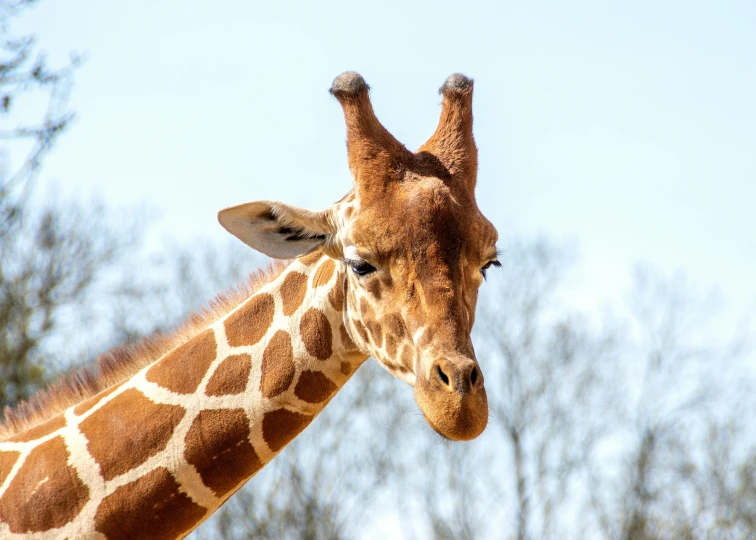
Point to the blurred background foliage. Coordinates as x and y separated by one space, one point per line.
640 428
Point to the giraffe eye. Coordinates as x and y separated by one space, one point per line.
488 265
361 268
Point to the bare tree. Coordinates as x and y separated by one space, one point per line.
25 76
55 254
56 262
683 425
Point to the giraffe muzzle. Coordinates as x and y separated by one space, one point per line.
453 398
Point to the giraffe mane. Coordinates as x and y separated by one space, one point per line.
125 360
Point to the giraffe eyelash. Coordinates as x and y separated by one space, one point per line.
495 263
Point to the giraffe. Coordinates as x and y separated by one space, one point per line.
155 439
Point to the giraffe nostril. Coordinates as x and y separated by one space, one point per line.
474 376
443 375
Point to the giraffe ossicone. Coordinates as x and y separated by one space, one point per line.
160 437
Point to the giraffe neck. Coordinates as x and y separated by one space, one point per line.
156 454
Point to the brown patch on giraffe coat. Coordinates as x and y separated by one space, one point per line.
281 426
249 323
346 341
37 432
408 358
323 274
312 258
390 345
376 332
366 309
182 369
84 406
336 296
345 368
217 445
361 330
7 460
390 365
230 376
277 366
149 507
394 325
316 334
314 387
46 493
149 424
374 288
293 290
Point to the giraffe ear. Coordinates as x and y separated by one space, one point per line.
278 230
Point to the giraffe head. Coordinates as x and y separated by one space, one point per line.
415 246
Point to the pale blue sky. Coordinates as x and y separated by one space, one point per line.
628 129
